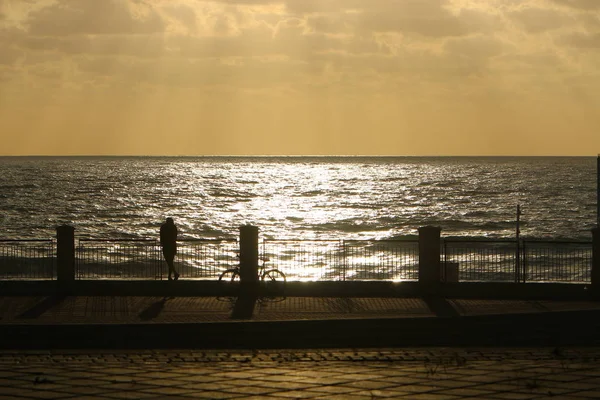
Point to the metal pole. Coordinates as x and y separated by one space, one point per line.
518 253
598 192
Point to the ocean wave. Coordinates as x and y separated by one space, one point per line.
465 196
20 186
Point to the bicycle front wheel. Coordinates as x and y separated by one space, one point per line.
274 284
228 282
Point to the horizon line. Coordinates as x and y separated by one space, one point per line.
282 155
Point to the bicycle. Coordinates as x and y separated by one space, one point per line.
273 281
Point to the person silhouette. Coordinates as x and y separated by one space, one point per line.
168 241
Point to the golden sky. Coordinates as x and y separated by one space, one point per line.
344 77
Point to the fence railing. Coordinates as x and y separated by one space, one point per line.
206 258
27 259
343 260
305 260
308 260
524 261
143 259
481 260
545 261
395 260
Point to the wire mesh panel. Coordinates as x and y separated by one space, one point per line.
305 260
205 259
27 259
125 259
545 261
396 260
482 260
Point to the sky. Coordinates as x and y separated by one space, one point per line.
299 77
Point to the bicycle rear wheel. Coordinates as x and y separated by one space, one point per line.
228 283
274 285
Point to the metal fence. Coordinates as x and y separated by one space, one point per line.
342 260
304 260
395 260
308 260
480 260
124 259
545 261
205 258
143 259
27 259
523 261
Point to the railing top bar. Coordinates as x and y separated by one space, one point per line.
25 240
156 240
209 240
473 240
541 241
382 240
302 240
118 240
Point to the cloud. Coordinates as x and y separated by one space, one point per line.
95 17
579 4
9 55
582 41
476 46
183 14
537 20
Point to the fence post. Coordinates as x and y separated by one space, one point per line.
65 253
429 255
595 274
244 306
249 254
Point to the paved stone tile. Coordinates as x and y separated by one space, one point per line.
452 383
122 395
368 384
382 393
286 385
207 386
250 390
592 394
211 395
201 378
512 396
416 388
489 373
467 392
297 394
83 390
332 389
345 397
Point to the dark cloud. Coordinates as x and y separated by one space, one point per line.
9 55
536 20
580 4
479 47
427 18
93 17
582 41
142 46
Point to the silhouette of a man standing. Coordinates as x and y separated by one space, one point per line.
168 241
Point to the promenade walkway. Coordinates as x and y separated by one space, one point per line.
138 309
71 347
353 374
307 322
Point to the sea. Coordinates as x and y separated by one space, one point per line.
312 198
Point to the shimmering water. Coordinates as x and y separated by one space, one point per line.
298 197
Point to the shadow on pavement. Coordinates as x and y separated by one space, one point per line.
41 307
